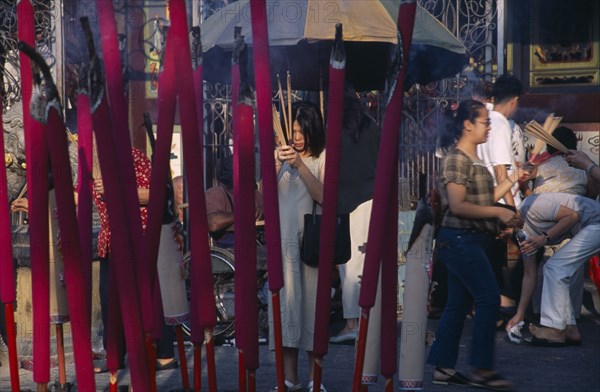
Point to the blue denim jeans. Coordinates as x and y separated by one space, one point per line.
470 278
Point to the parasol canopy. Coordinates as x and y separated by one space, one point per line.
301 33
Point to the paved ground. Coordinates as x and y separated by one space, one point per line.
533 369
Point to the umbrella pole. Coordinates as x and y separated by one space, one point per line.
210 359
361 347
9 313
60 353
241 371
185 378
197 372
276 301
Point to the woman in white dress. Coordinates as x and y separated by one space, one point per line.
300 171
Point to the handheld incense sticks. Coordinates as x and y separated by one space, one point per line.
290 127
277 128
544 134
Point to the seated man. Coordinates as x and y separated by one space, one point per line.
549 219
219 204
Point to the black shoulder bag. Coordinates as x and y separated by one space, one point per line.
309 251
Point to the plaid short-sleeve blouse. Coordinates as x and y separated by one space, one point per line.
459 168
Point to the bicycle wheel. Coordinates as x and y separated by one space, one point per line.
223 271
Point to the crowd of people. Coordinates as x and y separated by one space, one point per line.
488 195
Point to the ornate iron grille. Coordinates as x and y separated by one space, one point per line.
12 115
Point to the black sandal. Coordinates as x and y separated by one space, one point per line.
453 379
485 382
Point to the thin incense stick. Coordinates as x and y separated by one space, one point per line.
282 106
289 105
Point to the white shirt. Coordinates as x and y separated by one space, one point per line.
498 149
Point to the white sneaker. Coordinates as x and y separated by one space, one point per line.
311 387
348 337
289 387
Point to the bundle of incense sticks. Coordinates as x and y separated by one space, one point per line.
22 193
286 108
277 127
544 133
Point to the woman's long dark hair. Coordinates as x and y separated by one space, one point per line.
452 127
310 120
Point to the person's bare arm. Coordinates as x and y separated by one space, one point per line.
501 176
314 186
565 218
582 161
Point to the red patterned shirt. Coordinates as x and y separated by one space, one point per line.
142 174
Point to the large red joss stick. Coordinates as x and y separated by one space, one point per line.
167 100
119 109
121 253
386 162
36 155
56 138
121 256
244 217
202 296
262 78
7 274
240 337
84 186
199 94
337 76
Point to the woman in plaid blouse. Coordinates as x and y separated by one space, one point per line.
469 222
